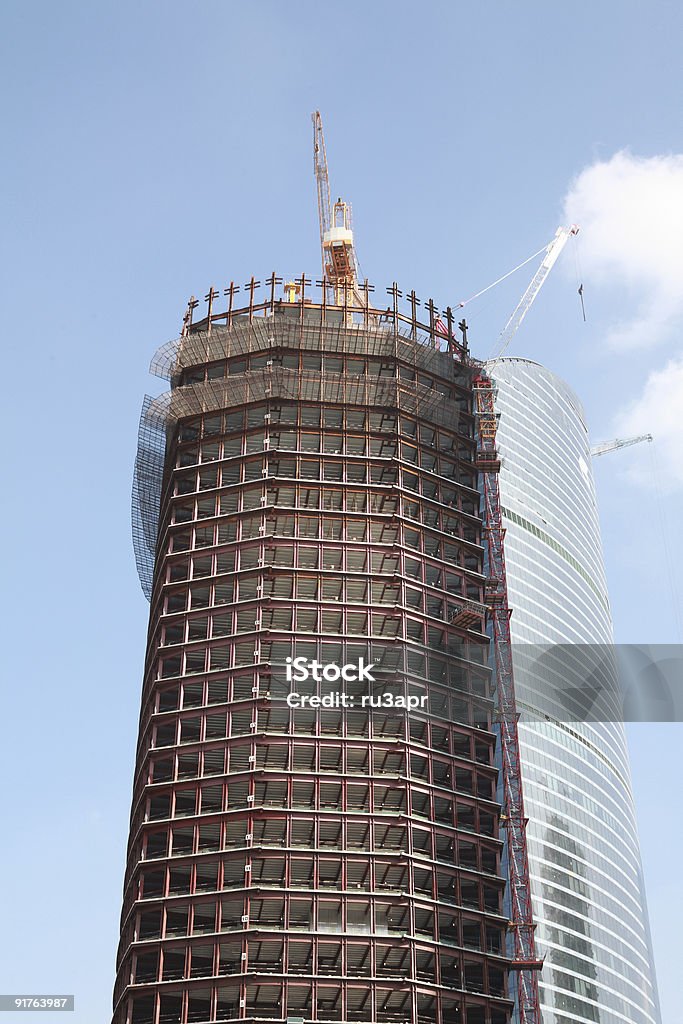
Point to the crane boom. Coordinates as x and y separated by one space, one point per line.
618 442
552 252
322 181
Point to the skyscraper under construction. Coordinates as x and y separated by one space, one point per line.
308 490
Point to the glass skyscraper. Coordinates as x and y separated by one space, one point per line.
586 875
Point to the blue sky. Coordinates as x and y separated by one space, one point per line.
154 149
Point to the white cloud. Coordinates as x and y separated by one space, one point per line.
630 210
659 411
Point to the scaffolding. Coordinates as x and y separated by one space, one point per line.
390 332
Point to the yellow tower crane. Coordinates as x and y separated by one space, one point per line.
339 265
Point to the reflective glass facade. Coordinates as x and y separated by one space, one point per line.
583 847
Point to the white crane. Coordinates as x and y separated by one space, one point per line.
618 442
552 252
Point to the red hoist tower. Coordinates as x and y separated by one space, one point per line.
525 961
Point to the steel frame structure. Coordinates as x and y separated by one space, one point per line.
319 498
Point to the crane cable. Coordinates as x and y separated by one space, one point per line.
503 278
673 589
579 275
